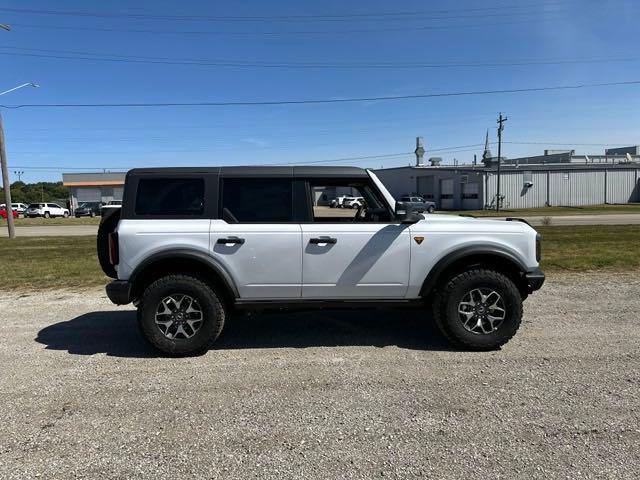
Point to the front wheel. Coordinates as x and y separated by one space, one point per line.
431 209
65 214
180 315
478 309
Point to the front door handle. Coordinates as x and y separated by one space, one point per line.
316 241
231 240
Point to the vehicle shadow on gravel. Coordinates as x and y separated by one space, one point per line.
115 333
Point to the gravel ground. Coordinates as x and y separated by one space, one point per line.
324 395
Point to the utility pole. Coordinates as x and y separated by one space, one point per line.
18 173
3 162
501 121
6 184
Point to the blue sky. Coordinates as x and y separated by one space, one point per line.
45 142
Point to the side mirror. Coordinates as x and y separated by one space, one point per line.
405 214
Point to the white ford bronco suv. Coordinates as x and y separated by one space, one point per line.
192 245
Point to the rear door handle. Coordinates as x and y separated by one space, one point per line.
231 240
316 241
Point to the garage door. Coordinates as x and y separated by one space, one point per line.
446 194
470 196
88 194
425 187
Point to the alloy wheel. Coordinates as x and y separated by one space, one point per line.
179 316
481 311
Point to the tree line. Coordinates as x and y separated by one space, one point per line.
22 192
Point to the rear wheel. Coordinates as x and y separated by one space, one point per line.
431 209
478 309
47 215
180 315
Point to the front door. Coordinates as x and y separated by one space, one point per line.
354 253
368 260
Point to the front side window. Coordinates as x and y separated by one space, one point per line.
361 203
257 200
170 197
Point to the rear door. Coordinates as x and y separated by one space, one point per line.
256 238
348 257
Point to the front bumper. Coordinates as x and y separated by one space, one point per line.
119 292
535 279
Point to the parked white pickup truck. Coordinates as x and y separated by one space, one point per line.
192 245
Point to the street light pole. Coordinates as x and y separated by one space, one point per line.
6 183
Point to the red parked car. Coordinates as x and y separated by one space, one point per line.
3 212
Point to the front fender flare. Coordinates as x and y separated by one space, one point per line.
470 251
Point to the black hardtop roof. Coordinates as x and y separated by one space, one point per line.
256 171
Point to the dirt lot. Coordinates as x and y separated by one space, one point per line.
324 395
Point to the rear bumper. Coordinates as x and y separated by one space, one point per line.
119 292
535 279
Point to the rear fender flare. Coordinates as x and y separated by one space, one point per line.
202 258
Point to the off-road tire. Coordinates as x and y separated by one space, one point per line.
447 298
213 309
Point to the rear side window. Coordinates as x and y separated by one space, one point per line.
170 197
257 200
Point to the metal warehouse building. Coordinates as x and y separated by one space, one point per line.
561 179
93 187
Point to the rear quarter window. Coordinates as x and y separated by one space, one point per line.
183 197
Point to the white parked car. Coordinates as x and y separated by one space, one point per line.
46 210
189 248
111 205
338 202
353 202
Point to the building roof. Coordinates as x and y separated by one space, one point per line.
118 178
93 179
260 171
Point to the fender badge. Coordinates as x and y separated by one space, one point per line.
418 240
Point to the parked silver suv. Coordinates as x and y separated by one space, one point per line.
192 245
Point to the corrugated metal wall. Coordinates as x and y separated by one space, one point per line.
622 186
575 188
565 188
571 187
512 186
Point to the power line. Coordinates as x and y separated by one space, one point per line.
287 18
275 33
109 57
320 101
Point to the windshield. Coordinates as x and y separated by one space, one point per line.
387 196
